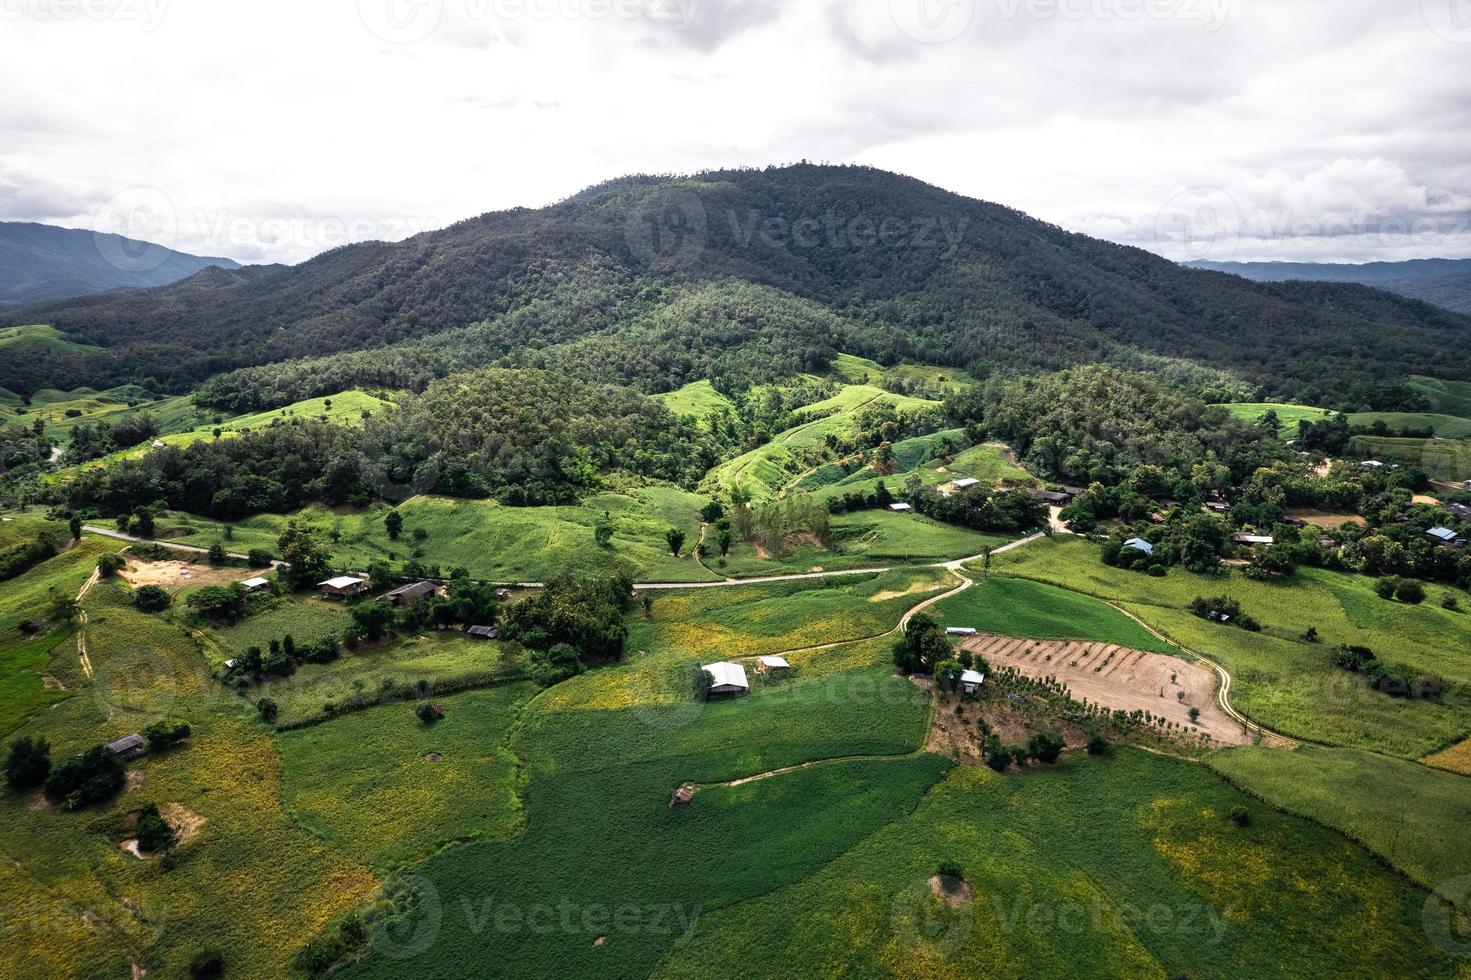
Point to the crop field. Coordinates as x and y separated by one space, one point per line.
1121 867
1019 607
1411 815
305 619
766 471
1456 758
385 787
63 411
695 400
1444 460
1287 415
1446 397
1281 681
512 544
249 882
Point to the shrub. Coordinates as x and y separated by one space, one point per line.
1240 816
1449 601
92 777
1098 745
1410 591
259 558
152 599
1194 715
110 564
268 709
701 682
999 758
217 555
1387 586
1046 747
154 832
428 713
162 734
950 869
28 764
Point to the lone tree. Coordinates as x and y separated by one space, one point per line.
75 527
152 598
307 561
154 832
28 764
109 564
394 522
675 537
602 531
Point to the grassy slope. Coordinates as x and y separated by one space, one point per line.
1019 607
1445 426
695 400
1446 397
365 782
1287 415
1281 681
1446 460
173 414
1410 814
1120 867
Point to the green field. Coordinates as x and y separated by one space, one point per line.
1287 415
1123 867
1019 607
1445 426
17 341
62 411
366 782
695 400
766 471
305 619
1411 815
989 463
1446 397
1281 681
861 370
1445 460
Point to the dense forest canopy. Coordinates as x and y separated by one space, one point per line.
775 269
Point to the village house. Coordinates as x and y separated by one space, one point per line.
1254 539
251 584
971 681
1052 497
409 595
128 748
960 631
729 679
900 508
957 486
482 632
1139 544
342 587
1445 537
772 665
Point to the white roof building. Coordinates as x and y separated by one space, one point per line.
1254 539
1374 463
965 483
900 508
728 678
971 680
341 582
1139 544
960 631
774 663
255 583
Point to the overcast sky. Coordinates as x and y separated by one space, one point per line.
268 130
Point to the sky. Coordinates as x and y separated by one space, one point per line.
271 130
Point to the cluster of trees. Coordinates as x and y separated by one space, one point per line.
27 554
1394 682
282 657
574 621
89 440
1224 609
980 510
22 446
1045 747
92 777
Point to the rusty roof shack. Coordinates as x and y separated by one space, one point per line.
682 796
482 632
413 594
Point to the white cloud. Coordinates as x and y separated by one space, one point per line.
275 128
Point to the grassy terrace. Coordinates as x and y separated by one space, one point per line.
1282 681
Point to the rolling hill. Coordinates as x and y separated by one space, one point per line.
43 262
1444 282
738 276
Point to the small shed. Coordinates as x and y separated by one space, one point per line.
129 747
482 632
157 444
1254 539
682 796
960 631
728 678
1139 544
413 594
342 586
1446 537
1052 497
900 508
251 584
1217 506
1373 464
772 665
971 681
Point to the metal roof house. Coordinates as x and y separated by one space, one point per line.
728 678
482 632
1445 536
1139 544
342 586
956 486
129 747
251 584
960 631
971 681
406 595
1254 539
771 664
900 508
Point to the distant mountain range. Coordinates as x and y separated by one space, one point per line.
737 276
44 262
1444 282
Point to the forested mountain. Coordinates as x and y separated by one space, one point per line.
1444 282
650 281
43 262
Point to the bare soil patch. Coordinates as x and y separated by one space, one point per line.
186 823
1326 519
174 575
1120 678
951 889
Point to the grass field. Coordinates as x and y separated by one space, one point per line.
764 472
1022 608
988 463
860 370
1411 815
305 619
1281 681
1445 460
1445 426
63 411
1446 397
1287 415
15 341
367 784
522 544
1122 867
695 400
